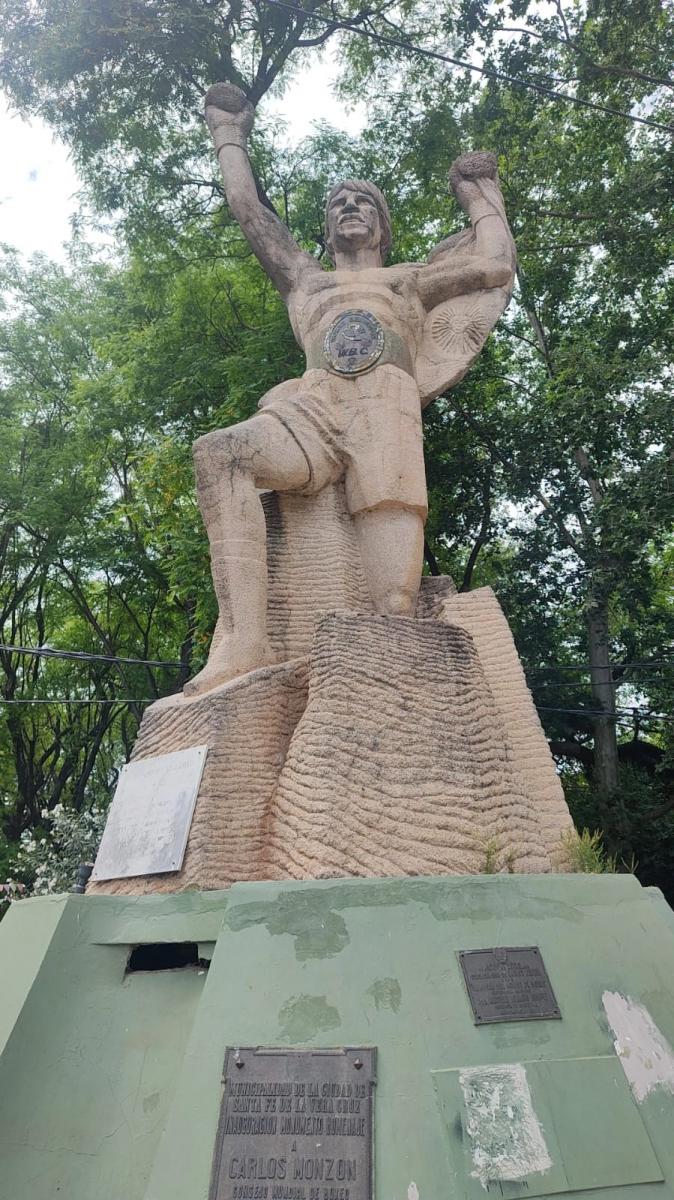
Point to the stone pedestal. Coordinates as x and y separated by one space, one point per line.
400 763
397 746
110 1080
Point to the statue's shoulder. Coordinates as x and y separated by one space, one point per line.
403 270
314 278
406 268
401 278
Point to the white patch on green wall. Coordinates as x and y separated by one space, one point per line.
645 1054
506 1138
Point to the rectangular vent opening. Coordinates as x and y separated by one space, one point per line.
165 956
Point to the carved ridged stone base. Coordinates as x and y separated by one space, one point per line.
481 615
400 763
400 746
314 566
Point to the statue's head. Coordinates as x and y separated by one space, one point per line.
357 216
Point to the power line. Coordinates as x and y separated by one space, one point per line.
642 715
644 662
633 709
95 701
572 684
598 712
490 72
84 656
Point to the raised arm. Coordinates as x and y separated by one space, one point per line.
482 257
229 116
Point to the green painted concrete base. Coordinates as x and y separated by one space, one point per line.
110 1083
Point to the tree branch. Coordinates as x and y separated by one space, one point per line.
483 531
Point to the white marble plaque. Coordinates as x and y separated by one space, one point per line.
150 815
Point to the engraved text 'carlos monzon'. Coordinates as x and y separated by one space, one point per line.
297 1127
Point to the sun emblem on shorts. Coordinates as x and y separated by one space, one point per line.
461 330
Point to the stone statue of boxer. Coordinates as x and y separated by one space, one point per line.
380 343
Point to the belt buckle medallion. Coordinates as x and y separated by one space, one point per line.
354 342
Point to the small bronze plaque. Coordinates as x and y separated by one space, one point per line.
295 1125
508 983
354 342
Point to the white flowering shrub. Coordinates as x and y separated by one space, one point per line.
50 862
11 890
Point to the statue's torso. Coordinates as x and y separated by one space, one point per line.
389 293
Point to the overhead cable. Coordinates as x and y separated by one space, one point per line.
99 700
491 72
582 712
84 656
644 662
571 684
609 716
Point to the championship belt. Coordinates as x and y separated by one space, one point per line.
354 342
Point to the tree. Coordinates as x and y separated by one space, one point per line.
107 376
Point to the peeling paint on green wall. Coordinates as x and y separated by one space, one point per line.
506 1138
303 1017
386 993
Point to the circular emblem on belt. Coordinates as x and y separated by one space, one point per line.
354 342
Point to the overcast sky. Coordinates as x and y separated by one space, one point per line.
39 184
37 187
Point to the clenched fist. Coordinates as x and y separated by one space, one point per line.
470 173
229 115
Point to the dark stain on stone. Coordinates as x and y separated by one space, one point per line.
312 915
150 1102
319 932
386 993
302 1017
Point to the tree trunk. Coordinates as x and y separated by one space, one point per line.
606 767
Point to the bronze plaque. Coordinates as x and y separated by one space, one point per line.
354 342
295 1125
508 983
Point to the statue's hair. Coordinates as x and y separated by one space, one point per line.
370 189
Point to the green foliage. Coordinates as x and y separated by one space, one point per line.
109 376
122 81
495 862
490 864
585 854
645 820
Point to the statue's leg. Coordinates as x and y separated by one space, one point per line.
230 464
391 540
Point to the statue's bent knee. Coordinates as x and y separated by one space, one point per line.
222 446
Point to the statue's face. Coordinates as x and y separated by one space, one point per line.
353 221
